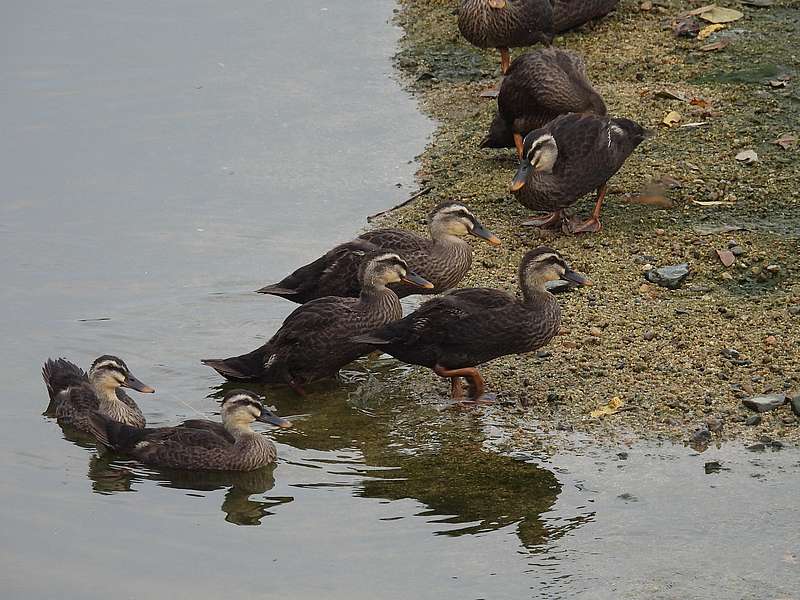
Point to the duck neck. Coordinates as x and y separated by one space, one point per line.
241 430
109 402
534 291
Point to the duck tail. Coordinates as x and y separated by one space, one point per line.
276 289
60 374
247 367
113 434
373 339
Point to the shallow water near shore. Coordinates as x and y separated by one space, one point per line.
161 163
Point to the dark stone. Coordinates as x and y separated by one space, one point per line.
543 354
753 420
649 335
730 353
759 447
737 250
794 310
795 404
669 277
622 455
714 424
764 403
776 445
712 466
700 439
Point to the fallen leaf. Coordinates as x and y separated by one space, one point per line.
646 5
672 118
778 83
747 156
699 102
786 141
671 95
716 229
708 30
651 198
701 10
610 408
726 257
713 47
718 14
670 182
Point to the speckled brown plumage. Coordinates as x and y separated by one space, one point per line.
568 14
442 259
73 398
314 341
591 149
467 327
517 23
195 444
538 87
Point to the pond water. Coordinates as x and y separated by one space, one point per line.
161 161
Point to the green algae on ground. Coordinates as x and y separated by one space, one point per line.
659 350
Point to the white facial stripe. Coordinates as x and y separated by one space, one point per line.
237 398
613 130
544 257
538 143
456 209
109 363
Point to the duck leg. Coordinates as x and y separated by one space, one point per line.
519 143
456 388
592 224
476 384
505 60
552 220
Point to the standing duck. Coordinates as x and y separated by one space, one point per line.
443 259
569 157
314 341
198 444
568 14
538 87
505 24
461 329
75 395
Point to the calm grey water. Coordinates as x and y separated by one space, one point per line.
162 159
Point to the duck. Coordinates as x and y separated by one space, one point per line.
461 329
75 395
443 259
569 14
568 158
314 341
505 24
539 86
198 444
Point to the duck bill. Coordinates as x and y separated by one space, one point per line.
483 233
134 384
577 278
416 280
275 420
522 175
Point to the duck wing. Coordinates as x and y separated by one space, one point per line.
60 375
210 426
405 243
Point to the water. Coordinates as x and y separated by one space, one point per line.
162 160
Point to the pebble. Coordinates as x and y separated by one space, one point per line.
795 404
649 335
753 420
765 402
730 353
669 277
737 251
714 424
794 310
712 466
700 439
726 257
595 332
759 447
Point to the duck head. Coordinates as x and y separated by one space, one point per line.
544 264
111 372
455 219
241 407
539 154
381 268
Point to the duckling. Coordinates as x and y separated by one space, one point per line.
539 86
569 157
74 395
198 444
505 24
568 14
461 329
443 259
314 340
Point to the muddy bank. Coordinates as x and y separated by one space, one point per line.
678 359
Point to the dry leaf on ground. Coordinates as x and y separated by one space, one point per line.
610 408
672 118
708 30
726 257
747 156
715 46
785 141
719 14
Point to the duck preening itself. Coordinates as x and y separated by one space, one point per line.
314 341
568 158
505 24
568 14
444 258
75 395
198 444
461 329
538 87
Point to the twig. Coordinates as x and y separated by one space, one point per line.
413 197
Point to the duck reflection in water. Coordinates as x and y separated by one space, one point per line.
387 446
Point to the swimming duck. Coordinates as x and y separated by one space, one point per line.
443 258
75 395
505 24
568 14
198 444
539 86
569 157
314 340
461 329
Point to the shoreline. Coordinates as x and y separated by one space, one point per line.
680 360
